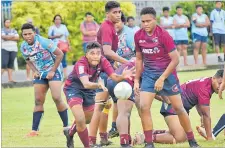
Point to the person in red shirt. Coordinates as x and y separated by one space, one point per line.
155 48
80 89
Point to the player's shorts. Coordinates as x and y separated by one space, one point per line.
111 85
104 77
181 42
43 80
75 96
167 110
64 62
171 84
199 38
219 39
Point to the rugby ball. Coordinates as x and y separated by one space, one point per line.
123 90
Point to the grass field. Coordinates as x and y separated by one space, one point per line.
17 107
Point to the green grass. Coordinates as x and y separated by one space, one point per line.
17 107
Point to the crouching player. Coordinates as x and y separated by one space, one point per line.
194 93
80 89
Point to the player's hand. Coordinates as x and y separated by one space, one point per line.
101 84
222 87
136 88
159 84
36 74
50 75
128 73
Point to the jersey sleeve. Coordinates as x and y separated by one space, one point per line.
136 41
168 42
22 49
203 97
106 66
106 36
80 69
48 44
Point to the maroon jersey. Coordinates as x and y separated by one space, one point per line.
155 49
82 68
196 92
107 35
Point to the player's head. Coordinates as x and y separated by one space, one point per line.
57 19
113 11
218 4
93 53
217 79
166 11
179 10
7 23
89 16
148 19
28 33
121 23
199 9
130 21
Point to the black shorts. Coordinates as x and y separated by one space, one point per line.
167 110
219 39
8 58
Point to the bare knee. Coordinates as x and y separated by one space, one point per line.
80 123
180 137
144 108
179 109
39 100
57 99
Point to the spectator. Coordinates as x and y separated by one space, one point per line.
181 24
89 29
200 22
37 31
9 48
217 18
59 34
166 22
131 24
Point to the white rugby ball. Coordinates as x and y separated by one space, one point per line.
123 90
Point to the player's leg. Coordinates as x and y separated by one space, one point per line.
40 90
122 122
28 72
177 105
219 126
55 86
104 124
197 45
113 132
146 99
100 100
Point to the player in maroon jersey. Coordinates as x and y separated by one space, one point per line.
80 89
155 48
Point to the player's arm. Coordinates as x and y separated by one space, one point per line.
59 55
87 84
126 74
205 110
200 114
222 86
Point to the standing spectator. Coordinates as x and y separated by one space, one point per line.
59 34
131 24
217 18
200 22
89 29
9 48
166 22
37 31
181 24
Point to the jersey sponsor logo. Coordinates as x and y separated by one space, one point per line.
155 50
142 41
81 69
175 88
155 40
